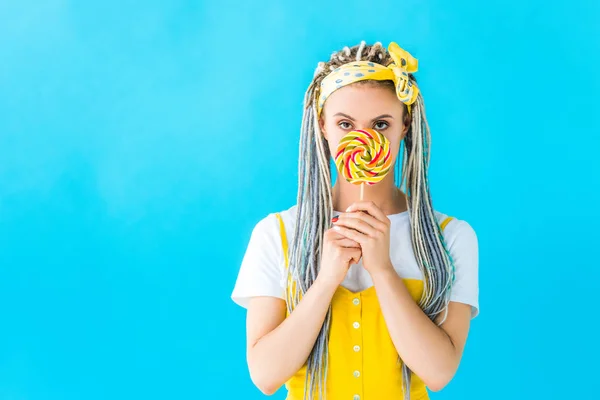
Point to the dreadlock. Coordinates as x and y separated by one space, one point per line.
315 209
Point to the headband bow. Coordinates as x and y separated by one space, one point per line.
403 64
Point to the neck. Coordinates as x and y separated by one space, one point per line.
389 198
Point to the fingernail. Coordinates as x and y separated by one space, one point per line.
348 209
334 219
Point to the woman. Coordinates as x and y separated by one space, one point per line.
376 302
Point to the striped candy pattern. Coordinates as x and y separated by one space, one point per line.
363 156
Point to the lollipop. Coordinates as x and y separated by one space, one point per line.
363 157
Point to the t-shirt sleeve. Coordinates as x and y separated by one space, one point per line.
463 247
261 271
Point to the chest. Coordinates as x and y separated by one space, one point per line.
402 257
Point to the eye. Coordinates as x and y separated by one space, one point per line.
345 125
381 125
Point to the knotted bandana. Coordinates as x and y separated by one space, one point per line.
403 64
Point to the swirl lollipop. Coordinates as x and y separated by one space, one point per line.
363 157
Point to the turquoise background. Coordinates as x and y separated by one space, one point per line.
141 141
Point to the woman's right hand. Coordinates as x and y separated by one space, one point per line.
339 253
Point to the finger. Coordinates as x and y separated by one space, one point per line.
351 234
358 225
369 207
345 242
354 256
333 235
363 216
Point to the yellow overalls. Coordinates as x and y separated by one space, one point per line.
363 362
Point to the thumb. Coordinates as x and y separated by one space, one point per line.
354 256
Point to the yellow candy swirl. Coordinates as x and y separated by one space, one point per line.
363 156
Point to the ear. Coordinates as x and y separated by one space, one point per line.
322 127
405 129
406 121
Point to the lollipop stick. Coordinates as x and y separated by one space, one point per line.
362 191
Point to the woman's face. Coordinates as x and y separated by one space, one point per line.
363 106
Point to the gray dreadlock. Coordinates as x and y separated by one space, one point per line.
315 209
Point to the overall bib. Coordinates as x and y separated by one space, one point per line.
363 362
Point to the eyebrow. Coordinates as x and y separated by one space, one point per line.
352 119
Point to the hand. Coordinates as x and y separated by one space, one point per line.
338 254
367 225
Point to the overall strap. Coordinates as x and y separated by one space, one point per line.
445 222
284 242
290 289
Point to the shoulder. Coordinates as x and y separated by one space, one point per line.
268 225
462 243
288 215
456 229
267 232
262 271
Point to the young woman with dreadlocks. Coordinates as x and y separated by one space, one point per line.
368 299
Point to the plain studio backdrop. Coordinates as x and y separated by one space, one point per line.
141 141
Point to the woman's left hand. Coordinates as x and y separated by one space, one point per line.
367 225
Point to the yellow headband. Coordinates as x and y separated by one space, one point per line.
355 71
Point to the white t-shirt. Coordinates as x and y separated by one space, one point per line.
262 272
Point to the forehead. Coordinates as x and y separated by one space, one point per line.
363 100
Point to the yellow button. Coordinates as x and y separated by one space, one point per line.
356 348
356 325
356 374
356 301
